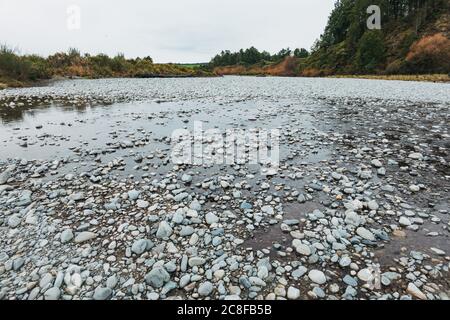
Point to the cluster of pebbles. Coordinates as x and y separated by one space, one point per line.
358 208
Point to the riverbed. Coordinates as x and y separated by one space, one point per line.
93 205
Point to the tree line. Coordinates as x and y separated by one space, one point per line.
252 56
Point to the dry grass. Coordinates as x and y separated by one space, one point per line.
412 77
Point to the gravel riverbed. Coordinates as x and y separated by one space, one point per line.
92 207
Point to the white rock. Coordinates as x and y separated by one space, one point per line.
317 276
85 236
365 234
293 293
66 235
415 292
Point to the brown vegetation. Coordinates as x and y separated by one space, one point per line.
430 53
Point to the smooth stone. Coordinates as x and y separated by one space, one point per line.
317 276
85 236
404 221
102 293
52 294
142 204
293 293
205 288
365 234
196 261
157 277
66 235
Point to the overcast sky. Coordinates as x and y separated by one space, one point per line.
167 30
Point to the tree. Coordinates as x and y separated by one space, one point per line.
371 51
301 53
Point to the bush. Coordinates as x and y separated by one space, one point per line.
398 66
431 54
12 65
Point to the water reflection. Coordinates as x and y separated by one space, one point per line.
17 115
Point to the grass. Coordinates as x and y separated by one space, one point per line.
408 77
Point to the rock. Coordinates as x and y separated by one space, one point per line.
178 217
404 221
376 163
211 218
416 156
4 176
195 205
317 276
345 261
78 196
246 206
52 294
196 261
45 280
349 280
164 230
139 246
373 205
184 280
186 231
186 178
142 204
14 221
415 292
365 234
66 235
133 194
181 196
112 281
85 236
437 251
299 272
365 275
301 248
157 277
205 288
18 263
102 293
293 293
352 218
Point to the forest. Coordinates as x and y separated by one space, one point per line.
414 39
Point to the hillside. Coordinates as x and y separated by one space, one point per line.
414 39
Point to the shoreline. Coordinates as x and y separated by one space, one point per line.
436 78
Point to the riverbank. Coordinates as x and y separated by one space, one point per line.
408 77
27 70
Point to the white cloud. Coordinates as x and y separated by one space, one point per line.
167 30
